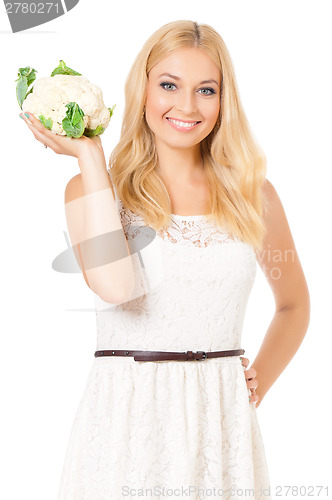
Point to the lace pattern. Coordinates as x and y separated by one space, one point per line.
214 280
171 424
191 229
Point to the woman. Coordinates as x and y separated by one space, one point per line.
151 418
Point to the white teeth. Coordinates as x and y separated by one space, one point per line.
182 124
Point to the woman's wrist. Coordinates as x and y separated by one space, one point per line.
90 157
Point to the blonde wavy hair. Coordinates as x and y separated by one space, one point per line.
234 163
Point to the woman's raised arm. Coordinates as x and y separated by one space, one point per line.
94 225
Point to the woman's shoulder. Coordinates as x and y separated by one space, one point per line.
74 188
271 200
268 188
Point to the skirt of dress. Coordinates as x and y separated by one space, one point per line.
166 429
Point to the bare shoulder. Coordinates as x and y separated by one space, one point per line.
270 194
74 188
278 235
278 257
274 215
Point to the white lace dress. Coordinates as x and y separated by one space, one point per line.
171 429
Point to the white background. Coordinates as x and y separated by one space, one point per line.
281 53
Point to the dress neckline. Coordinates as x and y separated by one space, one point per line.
195 217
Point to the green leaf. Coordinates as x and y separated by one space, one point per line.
21 90
73 123
97 131
29 72
111 110
26 76
62 69
47 122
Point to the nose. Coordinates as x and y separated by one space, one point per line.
186 103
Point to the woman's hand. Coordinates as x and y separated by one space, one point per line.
252 382
61 144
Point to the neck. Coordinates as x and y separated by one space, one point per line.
179 165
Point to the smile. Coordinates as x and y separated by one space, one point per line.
179 124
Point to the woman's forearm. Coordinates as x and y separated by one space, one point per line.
282 340
104 248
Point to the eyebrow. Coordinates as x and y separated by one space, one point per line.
178 78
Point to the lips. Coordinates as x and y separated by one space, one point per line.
181 124
183 121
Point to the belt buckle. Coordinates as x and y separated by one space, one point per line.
204 353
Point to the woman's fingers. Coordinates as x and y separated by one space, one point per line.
37 128
245 361
31 120
252 384
251 381
60 144
251 373
254 398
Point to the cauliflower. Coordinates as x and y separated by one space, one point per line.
67 103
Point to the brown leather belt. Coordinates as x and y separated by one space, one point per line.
166 355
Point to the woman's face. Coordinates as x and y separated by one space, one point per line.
187 94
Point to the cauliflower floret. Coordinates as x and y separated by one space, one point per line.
50 96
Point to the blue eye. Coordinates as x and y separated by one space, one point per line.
209 89
166 83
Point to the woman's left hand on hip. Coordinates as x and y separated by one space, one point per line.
251 380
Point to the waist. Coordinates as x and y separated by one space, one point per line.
148 356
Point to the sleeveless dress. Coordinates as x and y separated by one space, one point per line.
171 429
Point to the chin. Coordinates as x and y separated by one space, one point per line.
180 141
181 144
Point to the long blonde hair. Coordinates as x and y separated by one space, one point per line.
235 165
